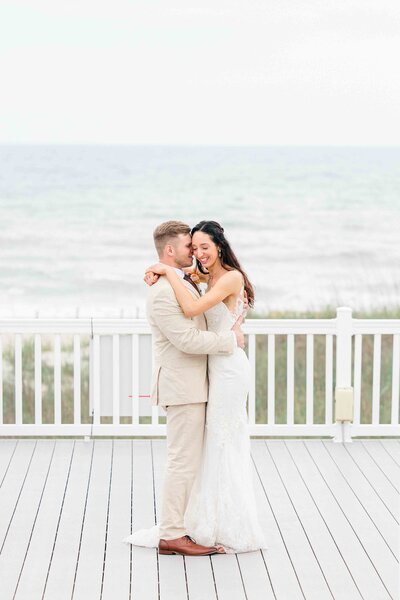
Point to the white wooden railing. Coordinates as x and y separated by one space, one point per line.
120 371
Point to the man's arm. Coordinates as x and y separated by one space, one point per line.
184 335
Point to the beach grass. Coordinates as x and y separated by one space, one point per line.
67 409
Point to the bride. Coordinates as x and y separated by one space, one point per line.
221 510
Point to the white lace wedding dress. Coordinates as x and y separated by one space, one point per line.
222 506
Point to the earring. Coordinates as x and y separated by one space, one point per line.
219 252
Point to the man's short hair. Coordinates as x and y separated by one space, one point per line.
166 232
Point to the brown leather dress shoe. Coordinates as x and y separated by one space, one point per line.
186 546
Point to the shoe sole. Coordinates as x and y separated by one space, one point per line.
169 552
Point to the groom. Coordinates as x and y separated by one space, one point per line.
180 384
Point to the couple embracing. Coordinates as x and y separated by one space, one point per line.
201 378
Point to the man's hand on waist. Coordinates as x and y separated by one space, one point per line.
238 332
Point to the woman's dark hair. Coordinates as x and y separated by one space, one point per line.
228 258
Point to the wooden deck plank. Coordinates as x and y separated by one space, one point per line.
61 576
386 525
380 554
21 526
339 583
38 557
200 578
337 504
7 449
281 574
228 579
392 447
144 560
308 572
117 563
88 578
384 461
255 576
362 570
253 565
13 484
376 477
171 568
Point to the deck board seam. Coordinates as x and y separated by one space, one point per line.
371 484
387 451
107 520
58 521
298 516
9 463
155 514
241 577
349 522
268 573
186 579
380 468
326 524
130 549
213 576
361 504
18 498
35 519
262 552
278 527
83 520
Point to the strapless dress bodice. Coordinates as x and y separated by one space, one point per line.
220 318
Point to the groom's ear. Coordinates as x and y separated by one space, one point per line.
169 250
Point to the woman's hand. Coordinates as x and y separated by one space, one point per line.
150 278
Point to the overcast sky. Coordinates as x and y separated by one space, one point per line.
204 72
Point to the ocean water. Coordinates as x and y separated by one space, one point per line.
311 226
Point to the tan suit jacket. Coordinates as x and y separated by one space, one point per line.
180 348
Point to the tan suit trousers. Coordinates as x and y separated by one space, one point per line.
185 432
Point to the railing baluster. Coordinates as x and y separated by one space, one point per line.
309 379
358 340
96 379
290 379
252 390
328 379
77 379
271 378
18 379
115 378
135 379
57 379
344 333
154 415
395 379
38 379
1 380
376 378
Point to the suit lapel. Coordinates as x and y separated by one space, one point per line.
190 287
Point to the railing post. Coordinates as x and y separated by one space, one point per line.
343 389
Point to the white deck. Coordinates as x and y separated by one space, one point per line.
330 512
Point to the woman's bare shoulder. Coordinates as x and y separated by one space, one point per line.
234 275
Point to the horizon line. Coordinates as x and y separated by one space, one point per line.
204 144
